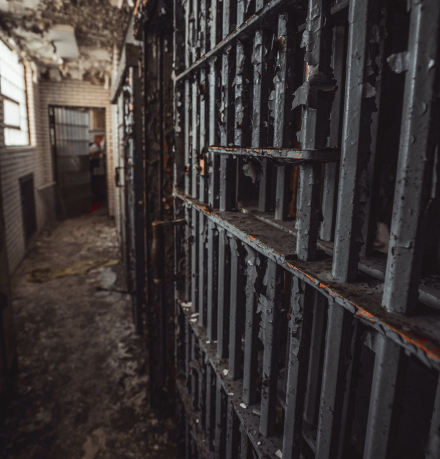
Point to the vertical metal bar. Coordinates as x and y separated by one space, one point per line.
316 346
315 126
433 448
223 294
187 352
416 151
233 433
281 203
194 135
187 100
382 399
188 214
212 281
220 415
194 367
213 121
210 406
202 114
251 329
259 92
245 444
226 176
355 149
272 307
202 388
336 363
202 271
330 179
235 319
194 260
300 327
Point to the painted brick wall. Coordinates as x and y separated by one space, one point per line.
15 162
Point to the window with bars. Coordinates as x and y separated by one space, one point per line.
13 90
307 163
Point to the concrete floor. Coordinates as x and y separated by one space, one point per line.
81 390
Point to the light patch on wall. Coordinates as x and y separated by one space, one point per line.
63 38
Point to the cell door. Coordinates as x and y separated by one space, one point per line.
70 144
296 337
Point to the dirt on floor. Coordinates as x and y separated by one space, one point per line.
81 391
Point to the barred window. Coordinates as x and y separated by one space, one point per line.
13 89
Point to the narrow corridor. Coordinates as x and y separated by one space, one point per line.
81 389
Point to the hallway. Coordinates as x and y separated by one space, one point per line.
81 390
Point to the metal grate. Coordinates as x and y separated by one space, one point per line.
305 126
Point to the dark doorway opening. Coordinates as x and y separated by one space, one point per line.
79 154
28 206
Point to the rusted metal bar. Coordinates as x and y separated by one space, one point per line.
272 243
290 155
413 180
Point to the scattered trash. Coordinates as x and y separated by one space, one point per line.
225 372
243 405
38 276
279 454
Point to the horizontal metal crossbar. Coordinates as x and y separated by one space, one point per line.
359 298
288 154
429 287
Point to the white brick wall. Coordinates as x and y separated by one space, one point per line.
15 162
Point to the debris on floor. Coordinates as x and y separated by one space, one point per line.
81 391
41 275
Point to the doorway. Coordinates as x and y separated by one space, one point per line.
79 155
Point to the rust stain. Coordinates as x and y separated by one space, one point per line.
422 343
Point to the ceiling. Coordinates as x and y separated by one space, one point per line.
68 39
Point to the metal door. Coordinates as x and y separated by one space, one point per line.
70 143
296 337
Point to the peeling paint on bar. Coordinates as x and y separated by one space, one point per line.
422 348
